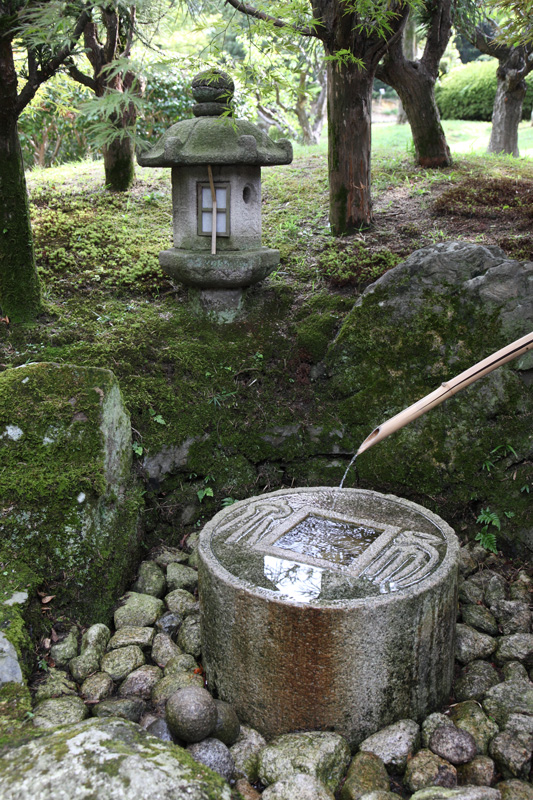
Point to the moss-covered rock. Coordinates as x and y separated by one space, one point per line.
67 494
441 311
106 758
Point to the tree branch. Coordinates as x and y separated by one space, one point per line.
250 11
486 43
437 37
79 76
52 65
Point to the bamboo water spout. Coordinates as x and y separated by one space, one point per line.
448 389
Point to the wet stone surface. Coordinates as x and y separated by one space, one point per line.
297 546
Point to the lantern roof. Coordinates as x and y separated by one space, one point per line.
214 136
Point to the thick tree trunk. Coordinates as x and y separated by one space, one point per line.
417 93
514 63
507 110
20 297
349 139
119 165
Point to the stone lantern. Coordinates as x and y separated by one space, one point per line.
216 165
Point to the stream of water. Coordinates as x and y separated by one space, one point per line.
341 484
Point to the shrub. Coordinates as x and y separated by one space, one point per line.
468 92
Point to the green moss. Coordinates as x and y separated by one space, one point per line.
20 295
17 576
318 322
381 365
53 447
15 716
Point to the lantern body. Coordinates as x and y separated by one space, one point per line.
241 185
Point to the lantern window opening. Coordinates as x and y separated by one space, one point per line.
205 208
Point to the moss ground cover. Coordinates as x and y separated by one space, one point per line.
226 388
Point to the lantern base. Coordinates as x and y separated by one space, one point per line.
221 305
226 270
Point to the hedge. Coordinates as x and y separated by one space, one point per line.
468 92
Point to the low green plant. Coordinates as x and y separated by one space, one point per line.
204 492
156 417
490 520
501 451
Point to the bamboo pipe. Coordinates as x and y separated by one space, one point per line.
214 214
448 389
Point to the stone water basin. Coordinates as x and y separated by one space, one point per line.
328 609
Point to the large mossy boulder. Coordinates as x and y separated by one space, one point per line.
442 310
69 506
111 759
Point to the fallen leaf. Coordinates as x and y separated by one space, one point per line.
54 635
48 598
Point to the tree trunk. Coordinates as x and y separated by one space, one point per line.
20 296
349 138
409 49
514 63
417 93
507 109
119 164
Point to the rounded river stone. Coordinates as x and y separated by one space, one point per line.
141 682
164 649
127 708
97 687
455 745
59 711
428 769
215 755
142 637
151 579
301 786
191 714
182 663
171 684
324 754
227 726
181 577
95 638
119 663
138 610
181 602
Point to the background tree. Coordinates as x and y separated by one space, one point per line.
300 98
414 80
108 44
514 63
410 49
46 34
356 35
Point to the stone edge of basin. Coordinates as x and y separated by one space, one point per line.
449 561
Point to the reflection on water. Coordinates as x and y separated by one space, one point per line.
333 540
297 581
